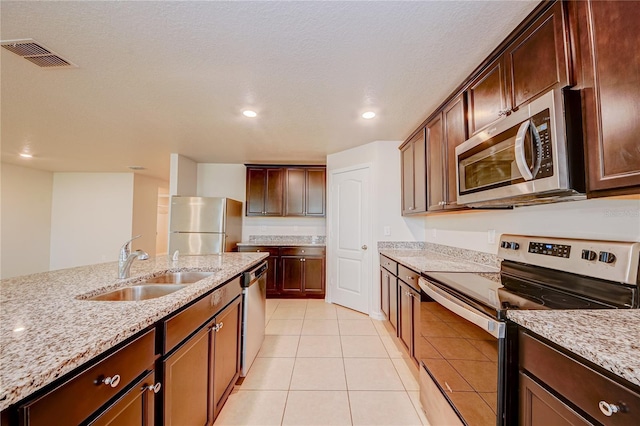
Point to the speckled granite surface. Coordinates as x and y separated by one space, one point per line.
607 337
45 331
285 240
428 257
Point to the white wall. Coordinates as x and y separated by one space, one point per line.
145 212
91 217
25 220
605 218
183 179
384 159
229 180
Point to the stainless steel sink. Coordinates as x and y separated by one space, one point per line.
138 292
178 278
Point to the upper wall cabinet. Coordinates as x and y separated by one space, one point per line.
286 191
265 191
414 192
608 39
532 64
305 191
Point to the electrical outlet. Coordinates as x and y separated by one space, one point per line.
491 236
387 230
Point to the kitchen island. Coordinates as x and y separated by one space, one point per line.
47 330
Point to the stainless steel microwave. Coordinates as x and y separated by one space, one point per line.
533 155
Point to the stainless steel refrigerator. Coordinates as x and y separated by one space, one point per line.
201 225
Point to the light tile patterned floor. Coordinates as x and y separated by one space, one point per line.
322 364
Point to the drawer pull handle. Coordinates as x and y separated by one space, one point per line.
410 277
302 251
111 381
155 388
218 327
608 409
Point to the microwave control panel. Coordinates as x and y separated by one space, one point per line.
541 121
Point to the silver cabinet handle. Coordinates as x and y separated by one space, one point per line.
257 251
411 208
154 388
409 277
218 327
302 251
112 381
364 247
608 409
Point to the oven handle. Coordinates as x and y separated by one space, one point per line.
493 327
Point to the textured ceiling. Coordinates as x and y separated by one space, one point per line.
162 77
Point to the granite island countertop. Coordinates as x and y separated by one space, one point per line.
46 331
609 338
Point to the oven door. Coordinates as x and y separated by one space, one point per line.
521 156
459 350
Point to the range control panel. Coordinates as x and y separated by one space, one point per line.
610 260
558 250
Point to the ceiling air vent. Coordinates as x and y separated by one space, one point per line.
35 52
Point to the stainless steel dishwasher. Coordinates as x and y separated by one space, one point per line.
254 300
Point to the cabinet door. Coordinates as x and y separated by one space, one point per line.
385 285
405 313
486 97
609 36
393 301
408 205
536 61
538 407
295 183
274 195
272 273
435 165
256 180
134 408
187 388
225 356
313 268
291 275
455 125
316 192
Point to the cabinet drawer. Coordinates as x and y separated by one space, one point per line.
409 276
389 265
301 251
75 400
577 383
273 251
181 325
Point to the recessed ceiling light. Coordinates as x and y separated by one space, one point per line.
249 113
368 115
25 155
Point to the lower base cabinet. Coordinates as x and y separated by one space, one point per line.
201 373
295 272
134 408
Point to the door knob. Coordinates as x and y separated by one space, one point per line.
364 247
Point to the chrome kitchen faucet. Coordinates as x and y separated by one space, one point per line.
126 258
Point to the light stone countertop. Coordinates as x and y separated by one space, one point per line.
425 260
285 241
282 243
609 338
45 332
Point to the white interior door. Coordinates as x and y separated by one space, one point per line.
350 210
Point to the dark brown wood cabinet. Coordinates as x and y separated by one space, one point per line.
135 407
532 64
408 316
414 172
305 191
553 391
265 191
446 131
98 384
385 287
487 97
607 37
293 271
200 374
302 272
286 191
